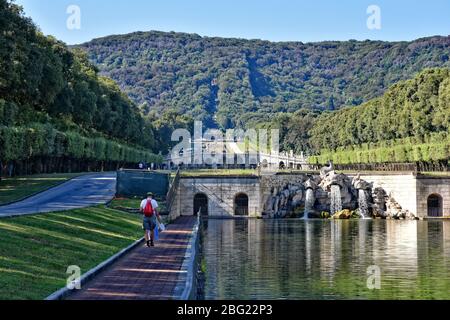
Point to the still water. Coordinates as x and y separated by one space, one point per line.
322 259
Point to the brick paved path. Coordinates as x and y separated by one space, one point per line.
144 273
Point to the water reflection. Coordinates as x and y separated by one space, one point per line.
321 259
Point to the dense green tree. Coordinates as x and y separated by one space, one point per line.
409 123
48 82
167 124
53 103
434 148
233 81
412 108
294 129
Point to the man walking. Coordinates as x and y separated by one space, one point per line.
149 209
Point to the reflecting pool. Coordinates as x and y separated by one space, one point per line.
324 259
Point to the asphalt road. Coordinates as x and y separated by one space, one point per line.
80 192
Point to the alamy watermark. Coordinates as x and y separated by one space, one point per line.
374 19
73 22
74 279
374 278
257 147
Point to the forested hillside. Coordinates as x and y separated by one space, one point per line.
350 101
415 107
235 82
56 110
409 123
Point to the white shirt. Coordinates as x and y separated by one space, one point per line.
144 203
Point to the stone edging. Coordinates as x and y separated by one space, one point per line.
65 292
209 176
186 287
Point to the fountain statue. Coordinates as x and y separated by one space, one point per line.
360 184
328 194
325 170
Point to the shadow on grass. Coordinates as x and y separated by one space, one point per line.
35 251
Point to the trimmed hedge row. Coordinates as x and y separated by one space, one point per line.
398 151
19 143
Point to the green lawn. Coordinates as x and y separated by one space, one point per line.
35 251
436 174
12 189
127 204
218 172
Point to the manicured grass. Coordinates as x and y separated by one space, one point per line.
374 172
12 189
218 172
436 174
250 172
128 204
35 251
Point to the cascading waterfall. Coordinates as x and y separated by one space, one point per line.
336 201
363 203
311 196
309 202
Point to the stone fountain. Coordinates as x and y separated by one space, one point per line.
329 194
364 193
310 199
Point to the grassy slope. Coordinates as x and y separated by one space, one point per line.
35 251
126 204
17 188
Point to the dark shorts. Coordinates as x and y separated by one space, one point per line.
149 223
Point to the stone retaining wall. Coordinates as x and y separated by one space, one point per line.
427 186
401 186
410 191
221 193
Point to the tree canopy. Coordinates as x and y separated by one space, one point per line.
44 83
326 98
414 108
233 82
42 80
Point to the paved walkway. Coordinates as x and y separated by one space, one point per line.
144 273
80 192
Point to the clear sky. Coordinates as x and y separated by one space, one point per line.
275 20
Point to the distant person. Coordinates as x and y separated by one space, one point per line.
149 210
141 166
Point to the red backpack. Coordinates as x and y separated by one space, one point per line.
148 210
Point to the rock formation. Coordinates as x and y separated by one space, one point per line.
329 194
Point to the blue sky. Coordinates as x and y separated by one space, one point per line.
279 20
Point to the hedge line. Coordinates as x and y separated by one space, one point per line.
19 143
396 151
